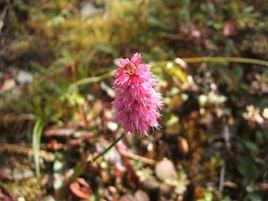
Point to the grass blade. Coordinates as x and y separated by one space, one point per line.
36 139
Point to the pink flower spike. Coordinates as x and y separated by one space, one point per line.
136 103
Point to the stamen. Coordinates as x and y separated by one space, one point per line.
131 70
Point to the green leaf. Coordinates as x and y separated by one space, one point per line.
252 146
36 138
247 168
175 70
156 23
254 197
238 73
108 49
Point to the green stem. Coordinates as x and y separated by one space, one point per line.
225 59
108 148
89 80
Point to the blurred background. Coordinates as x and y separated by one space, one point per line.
56 64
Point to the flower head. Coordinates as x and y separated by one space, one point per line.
136 103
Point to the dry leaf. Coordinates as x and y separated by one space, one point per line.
81 189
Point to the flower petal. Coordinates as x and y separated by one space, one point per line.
124 62
136 58
141 69
122 79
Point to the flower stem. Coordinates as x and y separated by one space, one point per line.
225 59
108 148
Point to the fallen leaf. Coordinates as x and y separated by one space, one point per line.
59 132
141 196
183 145
4 194
4 175
128 198
8 85
81 189
228 29
132 177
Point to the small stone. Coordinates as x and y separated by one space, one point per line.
24 77
112 126
8 85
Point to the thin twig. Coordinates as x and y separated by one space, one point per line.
19 149
137 157
107 149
